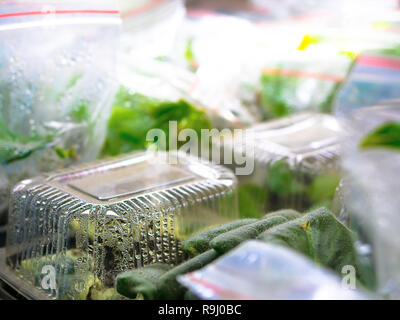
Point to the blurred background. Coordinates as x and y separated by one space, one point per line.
87 80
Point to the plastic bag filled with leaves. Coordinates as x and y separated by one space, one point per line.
56 84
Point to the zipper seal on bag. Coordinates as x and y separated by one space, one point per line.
142 9
53 17
56 12
382 62
216 289
302 74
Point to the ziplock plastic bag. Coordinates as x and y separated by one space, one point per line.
372 186
257 270
375 77
215 48
250 10
150 26
208 39
272 70
306 80
300 64
152 93
56 83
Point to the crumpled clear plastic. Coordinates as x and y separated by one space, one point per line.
150 26
319 65
297 65
371 190
56 82
258 270
168 81
247 64
300 80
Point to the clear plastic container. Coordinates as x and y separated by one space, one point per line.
4 191
341 209
338 206
56 83
371 194
295 163
90 223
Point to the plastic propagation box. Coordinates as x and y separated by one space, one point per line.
90 223
295 163
4 191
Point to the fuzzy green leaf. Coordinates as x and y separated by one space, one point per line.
385 136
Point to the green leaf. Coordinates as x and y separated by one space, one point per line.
282 180
323 187
66 153
73 81
81 112
189 55
275 94
321 237
16 147
252 200
393 51
385 136
133 115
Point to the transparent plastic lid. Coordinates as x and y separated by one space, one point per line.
302 138
94 221
298 135
294 163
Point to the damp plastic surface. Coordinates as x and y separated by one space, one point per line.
92 222
56 83
371 190
4 191
295 163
